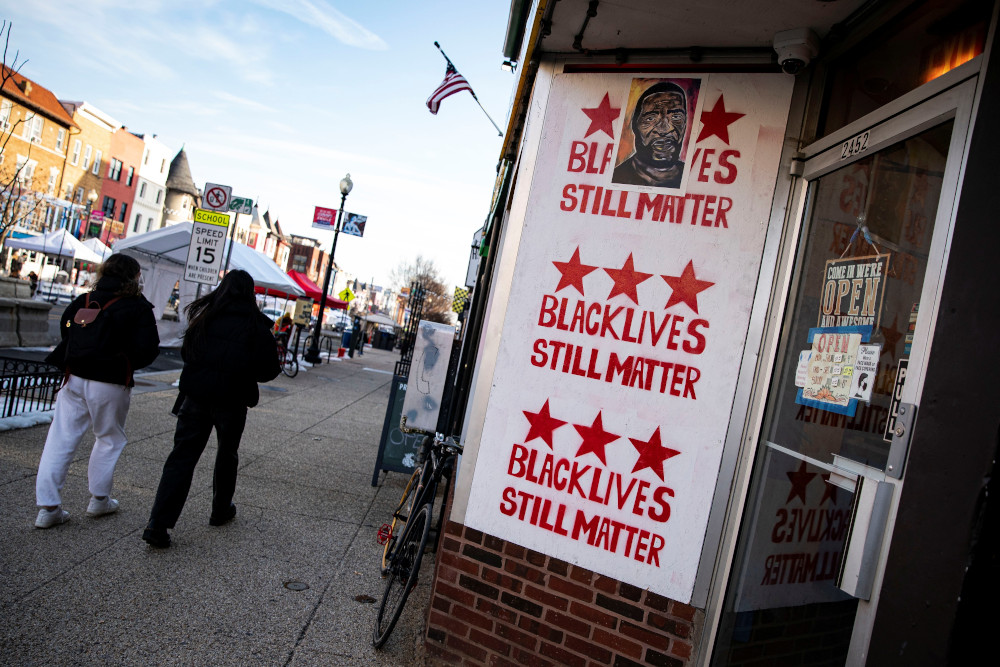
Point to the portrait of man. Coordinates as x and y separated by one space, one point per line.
659 131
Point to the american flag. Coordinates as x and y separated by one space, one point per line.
453 83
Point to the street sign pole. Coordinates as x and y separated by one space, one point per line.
232 237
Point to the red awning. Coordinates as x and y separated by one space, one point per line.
314 292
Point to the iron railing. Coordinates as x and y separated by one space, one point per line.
28 386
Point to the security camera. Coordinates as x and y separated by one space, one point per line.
795 48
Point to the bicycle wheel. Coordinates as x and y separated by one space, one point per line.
289 364
403 570
399 519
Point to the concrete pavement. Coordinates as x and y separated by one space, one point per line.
90 592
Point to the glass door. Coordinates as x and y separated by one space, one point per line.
866 260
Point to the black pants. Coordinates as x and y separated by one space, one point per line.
195 422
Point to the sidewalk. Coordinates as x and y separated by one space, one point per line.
91 592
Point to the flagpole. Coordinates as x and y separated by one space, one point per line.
471 92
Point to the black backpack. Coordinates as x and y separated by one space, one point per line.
88 331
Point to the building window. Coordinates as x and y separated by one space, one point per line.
75 160
130 176
124 212
86 157
145 156
159 193
114 169
97 163
138 219
25 170
163 165
60 138
108 206
5 107
142 190
33 127
149 224
78 198
53 177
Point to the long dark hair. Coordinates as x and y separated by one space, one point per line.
236 287
126 269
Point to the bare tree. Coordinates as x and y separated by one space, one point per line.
437 300
17 200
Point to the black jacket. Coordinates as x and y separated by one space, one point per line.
236 352
132 341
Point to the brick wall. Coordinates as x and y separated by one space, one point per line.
496 603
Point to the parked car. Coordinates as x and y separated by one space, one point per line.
274 313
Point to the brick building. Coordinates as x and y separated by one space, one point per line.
87 152
121 184
735 284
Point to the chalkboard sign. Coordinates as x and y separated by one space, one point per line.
397 451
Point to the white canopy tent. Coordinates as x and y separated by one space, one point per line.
59 243
162 253
95 244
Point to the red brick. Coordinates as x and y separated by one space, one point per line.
561 655
441 654
606 584
665 624
453 528
490 641
459 563
451 545
585 593
568 623
522 571
617 643
520 604
449 574
591 650
630 592
581 575
619 607
681 610
473 535
478 587
648 637
501 580
530 659
514 550
544 631
500 661
657 659
681 649
463 646
518 637
486 556
457 594
535 558
496 611
442 605
595 616
657 602
545 597
560 567
450 623
494 543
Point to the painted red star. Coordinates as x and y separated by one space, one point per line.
573 272
800 479
891 335
686 287
717 121
595 438
829 490
626 279
542 424
652 454
601 117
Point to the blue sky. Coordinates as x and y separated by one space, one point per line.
281 98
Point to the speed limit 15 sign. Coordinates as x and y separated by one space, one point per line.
208 241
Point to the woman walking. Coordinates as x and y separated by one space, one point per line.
99 358
227 350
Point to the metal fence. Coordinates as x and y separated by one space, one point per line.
28 386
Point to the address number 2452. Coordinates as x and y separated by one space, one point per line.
853 146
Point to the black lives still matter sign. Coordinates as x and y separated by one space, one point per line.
852 291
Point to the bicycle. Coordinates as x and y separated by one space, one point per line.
289 363
404 549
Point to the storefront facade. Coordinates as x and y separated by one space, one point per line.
723 406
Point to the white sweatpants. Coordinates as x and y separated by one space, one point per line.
82 405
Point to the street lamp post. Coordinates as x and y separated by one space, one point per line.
91 198
312 354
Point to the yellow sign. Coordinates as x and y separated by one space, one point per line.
346 295
211 217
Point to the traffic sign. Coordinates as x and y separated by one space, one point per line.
217 197
346 295
241 205
208 239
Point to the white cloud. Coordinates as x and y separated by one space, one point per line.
321 15
242 101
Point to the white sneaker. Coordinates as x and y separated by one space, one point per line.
101 507
48 518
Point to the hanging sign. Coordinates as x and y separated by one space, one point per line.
830 370
618 354
354 224
852 292
208 238
325 218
